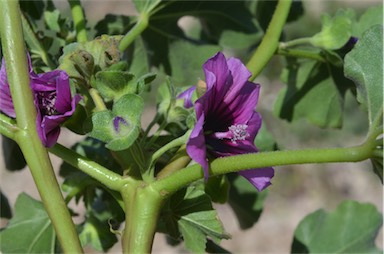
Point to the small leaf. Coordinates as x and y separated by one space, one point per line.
351 228
218 188
30 230
245 201
364 65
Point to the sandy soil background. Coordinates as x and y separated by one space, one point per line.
296 190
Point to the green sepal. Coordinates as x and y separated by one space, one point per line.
119 134
335 32
114 84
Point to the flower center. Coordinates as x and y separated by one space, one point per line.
117 121
239 132
47 102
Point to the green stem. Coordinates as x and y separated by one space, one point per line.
236 163
137 29
181 160
296 42
300 54
78 20
97 100
35 154
142 205
105 176
8 126
270 42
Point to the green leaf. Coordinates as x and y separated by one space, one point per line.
187 68
335 32
245 200
189 212
218 189
52 19
364 65
239 40
372 16
315 91
120 127
351 228
13 157
30 230
145 6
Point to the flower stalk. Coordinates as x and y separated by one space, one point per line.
26 136
137 29
78 20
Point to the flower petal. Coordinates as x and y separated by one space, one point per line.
187 96
196 145
260 177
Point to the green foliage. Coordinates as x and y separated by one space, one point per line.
315 91
364 65
372 16
187 68
245 201
30 230
189 214
335 31
351 228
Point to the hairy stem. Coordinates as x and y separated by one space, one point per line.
78 20
142 206
237 163
35 154
105 176
300 54
270 42
136 30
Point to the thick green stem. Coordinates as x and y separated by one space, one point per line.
270 42
237 163
8 127
142 209
78 20
137 29
107 177
35 154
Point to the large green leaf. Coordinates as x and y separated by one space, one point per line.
364 65
351 228
315 91
245 200
187 67
372 16
30 230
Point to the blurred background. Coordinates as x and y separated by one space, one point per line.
296 190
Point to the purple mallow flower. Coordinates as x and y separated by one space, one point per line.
52 97
226 121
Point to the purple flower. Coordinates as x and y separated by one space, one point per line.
52 97
226 121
